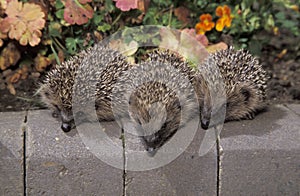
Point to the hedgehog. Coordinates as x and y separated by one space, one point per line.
124 91
245 83
57 90
235 77
163 95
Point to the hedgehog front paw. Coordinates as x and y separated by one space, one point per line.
250 115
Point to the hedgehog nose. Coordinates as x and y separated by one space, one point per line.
66 127
151 151
204 124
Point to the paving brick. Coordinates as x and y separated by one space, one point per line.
261 156
11 153
294 107
188 174
60 164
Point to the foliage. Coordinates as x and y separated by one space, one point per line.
126 5
244 20
23 22
77 11
52 31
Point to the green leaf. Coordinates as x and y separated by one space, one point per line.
165 19
151 17
280 16
289 24
104 27
54 29
55 54
162 3
201 3
98 18
255 22
243 40
109 6
60 14
72 43
270 23
58 4
54 33
156 41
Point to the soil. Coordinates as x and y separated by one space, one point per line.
283 69
24 99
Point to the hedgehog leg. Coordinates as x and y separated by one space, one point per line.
250 115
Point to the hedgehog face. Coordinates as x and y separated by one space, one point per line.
158 131
156 120
151 123
159 138
245 85
209 112
59 109
67 119
62 111
242 102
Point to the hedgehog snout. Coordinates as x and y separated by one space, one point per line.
152 143
67 121
205 116
66 127
205 123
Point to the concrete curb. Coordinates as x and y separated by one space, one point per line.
258 157
261 157
59 163
12 153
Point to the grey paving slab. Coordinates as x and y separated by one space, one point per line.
188 174
60 164
294 107
261 156
11 153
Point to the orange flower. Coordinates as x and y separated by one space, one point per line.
225 17
294 7
205 24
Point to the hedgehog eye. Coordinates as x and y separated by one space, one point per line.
56 112
46 94
246 93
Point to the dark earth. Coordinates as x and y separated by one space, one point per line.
283 69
